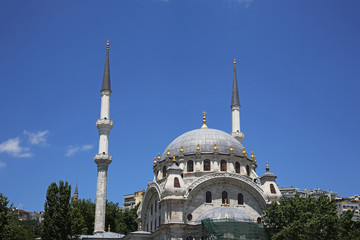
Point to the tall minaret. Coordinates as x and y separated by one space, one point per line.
235 109
103 159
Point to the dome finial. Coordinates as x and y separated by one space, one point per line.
168 152
225 203
182 149
159 157
198 147
140 228
244 151
109 228
267 166
204 120
252 155
215 147
154 161
234 64
174 159
149 183
107 45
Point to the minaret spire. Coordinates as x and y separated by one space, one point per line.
103 159
235 109
76 193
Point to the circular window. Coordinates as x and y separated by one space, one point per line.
258 220
189 217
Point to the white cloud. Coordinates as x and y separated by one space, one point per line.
73 149
13 148
38 137
2 164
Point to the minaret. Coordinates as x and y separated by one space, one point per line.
235 110
103 159
76 193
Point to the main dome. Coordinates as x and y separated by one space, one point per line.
206 138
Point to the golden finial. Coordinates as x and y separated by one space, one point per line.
149 183
204 120
267 166
198 147
159 157
234 64
254 159
182 149
109 228
168 152
140 228
215 147
252 155
225 203
107 45
154 160
231 148
244 151
174 159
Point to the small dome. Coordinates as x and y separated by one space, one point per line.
225 213
206 138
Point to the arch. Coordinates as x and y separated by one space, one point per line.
237 167
248 170
176 183
207 165
223 166
272 188
208 197
164 172
190 166
224 197
240 199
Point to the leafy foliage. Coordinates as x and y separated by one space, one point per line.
82 216
57 219
4 215
309 218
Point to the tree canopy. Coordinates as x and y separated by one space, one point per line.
310 219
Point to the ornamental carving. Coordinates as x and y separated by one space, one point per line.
226 175
104 125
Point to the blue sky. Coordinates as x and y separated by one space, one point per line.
298 68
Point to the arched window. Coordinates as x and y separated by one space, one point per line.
223 166
151 227
164 172
208 197
207 165
272 188
237 167
151 209
155 205
240 199
155 224
176 183
159 220
225 197
247 170
190 166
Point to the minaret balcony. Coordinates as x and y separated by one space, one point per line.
104 125
103 159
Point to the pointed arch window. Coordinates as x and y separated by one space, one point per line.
155 205
272 188
240 199
225 198
207 165
208 197
237 167
176 183
164 172
190 166
223 166
248 170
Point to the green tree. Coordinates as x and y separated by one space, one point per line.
4 215
78 224
86 209
126 220
308 218
57 219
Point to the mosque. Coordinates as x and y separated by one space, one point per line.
205 183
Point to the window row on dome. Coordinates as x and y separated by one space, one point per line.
223 166
224 198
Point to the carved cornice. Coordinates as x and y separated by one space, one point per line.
235 107
102 161
104 125
226 175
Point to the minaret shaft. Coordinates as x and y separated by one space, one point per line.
235 110
103 159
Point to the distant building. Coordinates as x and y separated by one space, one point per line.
349 204
131 200
289 192
23 215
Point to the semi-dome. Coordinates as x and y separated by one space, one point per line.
225 213
206 138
